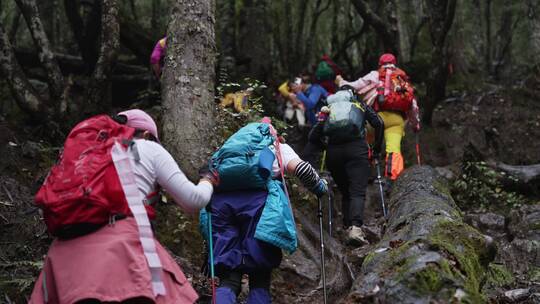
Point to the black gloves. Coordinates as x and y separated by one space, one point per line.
211 175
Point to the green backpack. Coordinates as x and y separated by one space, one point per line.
346 119
324 71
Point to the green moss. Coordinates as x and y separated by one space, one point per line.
534 274
498 275
428 280
535 226
442 188
462 243
368 258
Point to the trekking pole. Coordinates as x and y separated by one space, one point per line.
211 253
323 160
418 148
381 192
330 214
323 268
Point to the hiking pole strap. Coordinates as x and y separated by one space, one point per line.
122 163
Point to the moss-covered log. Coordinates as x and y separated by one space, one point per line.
427 254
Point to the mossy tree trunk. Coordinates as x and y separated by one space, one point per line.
188 83
428 254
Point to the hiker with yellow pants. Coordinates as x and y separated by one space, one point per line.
393 132
390 93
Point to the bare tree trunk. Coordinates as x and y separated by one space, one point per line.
227 36
15 26
188 84
154 22
487 20
416 35
86 29
386 30
504 39
299 38
334 29
254 39
288 31
133 9
308 51
55 78
533 13
99 85
21 89
479 37
137 39
440 18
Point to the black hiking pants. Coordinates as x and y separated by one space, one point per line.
349 166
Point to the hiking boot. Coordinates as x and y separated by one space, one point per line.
356 236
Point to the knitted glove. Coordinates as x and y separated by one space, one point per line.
321 188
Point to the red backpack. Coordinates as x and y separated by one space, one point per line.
82 191
398 93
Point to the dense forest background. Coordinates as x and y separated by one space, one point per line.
446 46
475 65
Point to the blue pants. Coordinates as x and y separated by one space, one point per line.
234 218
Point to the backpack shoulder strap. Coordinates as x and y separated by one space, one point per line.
279 157
122 163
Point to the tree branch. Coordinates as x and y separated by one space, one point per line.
348 41
23 92
137 39
450 13
381 27
15 26
55 79
416 34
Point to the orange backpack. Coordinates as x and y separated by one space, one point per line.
395 93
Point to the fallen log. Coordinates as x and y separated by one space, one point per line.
525 179
427 254
72 64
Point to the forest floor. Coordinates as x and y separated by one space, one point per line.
501 125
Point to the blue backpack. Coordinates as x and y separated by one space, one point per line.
245 159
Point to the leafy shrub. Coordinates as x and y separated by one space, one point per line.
480 186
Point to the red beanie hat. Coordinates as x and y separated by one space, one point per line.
387 59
